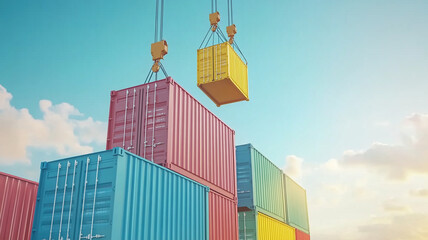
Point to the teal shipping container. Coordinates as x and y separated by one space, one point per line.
260 183
297 206
115 194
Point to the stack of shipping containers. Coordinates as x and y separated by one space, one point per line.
170 171
163 123
268 207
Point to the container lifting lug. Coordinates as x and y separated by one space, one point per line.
214 20
231 31
159 50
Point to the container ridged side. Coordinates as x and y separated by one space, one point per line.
17 203
260 183
135 199
297 207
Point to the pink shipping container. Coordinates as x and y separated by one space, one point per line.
302 235
17 202
223 214
161 122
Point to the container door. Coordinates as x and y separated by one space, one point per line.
247 225
123 122
221 61
205 65
75 199
96 198
57 200
153 129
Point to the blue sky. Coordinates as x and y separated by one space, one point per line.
319 71
324 76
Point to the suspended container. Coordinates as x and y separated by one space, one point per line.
223 217
302 235
163 123
297 206
17 203
260 183
117 195
222 75
254 225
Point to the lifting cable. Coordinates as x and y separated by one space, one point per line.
230 22
213 6
229 12
213 29
158 37
159 18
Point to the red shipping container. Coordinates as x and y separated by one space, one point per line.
301 235
160 121
223 217
17 202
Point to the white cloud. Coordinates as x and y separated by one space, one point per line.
393 205
408 226
419 193
293 167
354 192
397 161
58 130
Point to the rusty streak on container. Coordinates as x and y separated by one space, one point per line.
17 203
161 122
223 217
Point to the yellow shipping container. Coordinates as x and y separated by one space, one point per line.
222 75
272 229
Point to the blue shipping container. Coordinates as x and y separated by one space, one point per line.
116 195
260 183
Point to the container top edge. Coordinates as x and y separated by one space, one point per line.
167 169
288 177
132 154
169 78
19 178
250 145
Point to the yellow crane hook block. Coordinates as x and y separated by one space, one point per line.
222 75
159 50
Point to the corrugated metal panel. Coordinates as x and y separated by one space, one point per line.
254 225
223 217
260 183
182 135
17 202
247 225
297 207
117 195
301 235
272 229
221 74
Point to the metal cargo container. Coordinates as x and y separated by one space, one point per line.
258 226
296 205
223 217
260 183
118 195
301 235
222 75
162 122
17 202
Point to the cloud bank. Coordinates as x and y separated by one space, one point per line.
61 129
377 193
397 161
